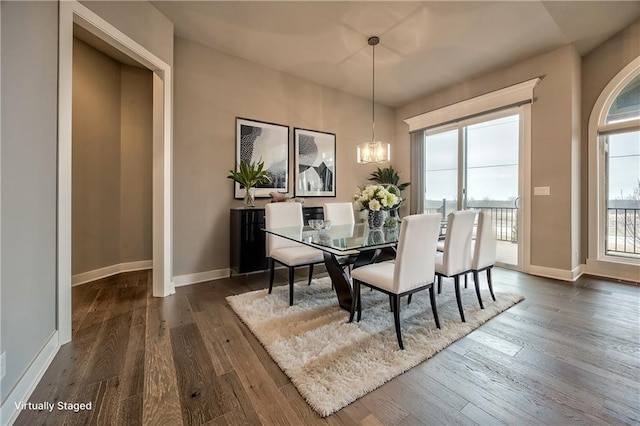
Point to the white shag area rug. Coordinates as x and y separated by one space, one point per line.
332 362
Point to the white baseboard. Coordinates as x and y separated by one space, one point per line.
557 274
29 380
199 277
613 270
86 277
216 274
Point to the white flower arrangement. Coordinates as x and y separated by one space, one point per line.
376 197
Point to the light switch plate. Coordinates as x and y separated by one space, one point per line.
541 190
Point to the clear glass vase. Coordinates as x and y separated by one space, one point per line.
250 197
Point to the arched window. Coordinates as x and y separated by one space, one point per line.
614 188
626 106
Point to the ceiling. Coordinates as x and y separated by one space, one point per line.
424 46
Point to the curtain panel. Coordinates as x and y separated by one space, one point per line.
416 139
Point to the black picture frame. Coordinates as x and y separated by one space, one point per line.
315 163
267 142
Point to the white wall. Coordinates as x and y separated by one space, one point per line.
136 139
112 153
555 132
140 21
29 127
95 217
29 72
599 67
211 90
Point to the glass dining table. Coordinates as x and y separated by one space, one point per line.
343 246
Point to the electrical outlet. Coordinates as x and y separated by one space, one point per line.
3 365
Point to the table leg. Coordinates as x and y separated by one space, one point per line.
340 278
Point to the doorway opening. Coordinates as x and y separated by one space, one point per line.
72 12
111 161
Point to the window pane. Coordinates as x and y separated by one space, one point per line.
492 162
627 105
493 186
441 172
623 194
442 151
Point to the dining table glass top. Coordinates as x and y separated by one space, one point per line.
340 239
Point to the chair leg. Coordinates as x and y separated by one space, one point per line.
390 302
396 317
432 296
476 280
457 284
439 284
409 299
290 285
310 273
465 281
359 301
490 284
271 273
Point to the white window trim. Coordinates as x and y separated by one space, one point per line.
598 263
512 95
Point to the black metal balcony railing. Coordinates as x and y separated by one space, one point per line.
503 219
623 231
623 227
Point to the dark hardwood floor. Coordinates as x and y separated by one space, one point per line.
568 354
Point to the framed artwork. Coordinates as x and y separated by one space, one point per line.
268 142
315 163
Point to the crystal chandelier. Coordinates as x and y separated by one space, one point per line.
373 151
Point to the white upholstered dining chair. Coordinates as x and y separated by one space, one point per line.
339 213
484 253
455 259
412 271
286 252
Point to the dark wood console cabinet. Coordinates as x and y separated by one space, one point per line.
309 213
248 241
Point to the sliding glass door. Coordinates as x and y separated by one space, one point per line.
492 179
475 164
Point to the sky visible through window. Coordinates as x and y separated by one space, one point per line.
492 164
623 179
624 166
492 160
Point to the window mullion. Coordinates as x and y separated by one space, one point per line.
621 127
462 159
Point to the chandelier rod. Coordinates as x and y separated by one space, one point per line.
373 97
373 41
